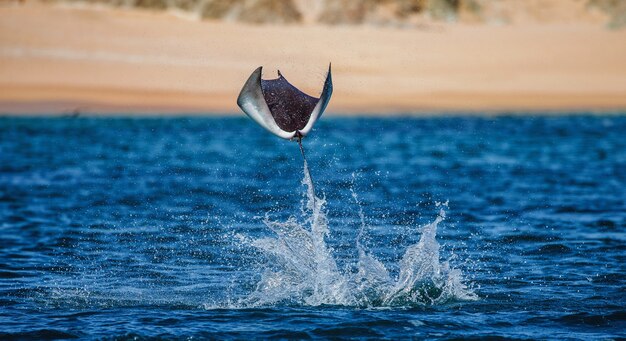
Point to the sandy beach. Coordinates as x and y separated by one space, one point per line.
57 59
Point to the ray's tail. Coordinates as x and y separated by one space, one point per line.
301 148
306 169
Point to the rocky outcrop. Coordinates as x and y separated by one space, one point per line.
257 11
386 11
615 9
392 12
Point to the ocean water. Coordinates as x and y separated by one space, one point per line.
438 228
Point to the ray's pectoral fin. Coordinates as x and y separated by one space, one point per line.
280 107
319 108
252 102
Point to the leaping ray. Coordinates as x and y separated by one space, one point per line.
280 107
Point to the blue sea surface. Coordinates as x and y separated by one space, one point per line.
438 228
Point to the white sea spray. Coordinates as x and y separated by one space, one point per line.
301 268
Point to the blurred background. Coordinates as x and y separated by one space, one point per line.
185 227
388 56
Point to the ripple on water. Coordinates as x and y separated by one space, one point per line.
174 228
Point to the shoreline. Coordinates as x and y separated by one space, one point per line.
44 100
56 59
152 112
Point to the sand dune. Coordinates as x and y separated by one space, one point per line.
57 58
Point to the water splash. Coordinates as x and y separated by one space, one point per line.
301 268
